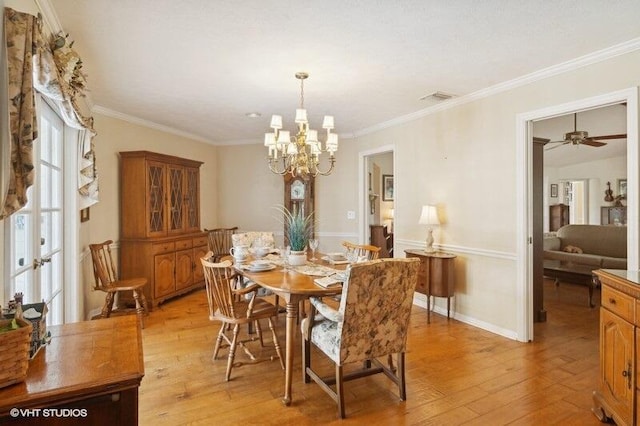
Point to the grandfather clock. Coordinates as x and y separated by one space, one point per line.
299 194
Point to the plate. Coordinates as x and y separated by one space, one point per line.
261 268
336 256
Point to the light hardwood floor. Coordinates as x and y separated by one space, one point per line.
456 374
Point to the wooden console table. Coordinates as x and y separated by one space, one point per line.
88 374
436 276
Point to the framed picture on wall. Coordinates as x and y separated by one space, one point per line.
554 190
622 188
387 187
84 215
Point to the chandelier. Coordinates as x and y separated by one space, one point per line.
299 155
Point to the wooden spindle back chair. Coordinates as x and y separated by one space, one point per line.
219 241
228 305
361 250
106 279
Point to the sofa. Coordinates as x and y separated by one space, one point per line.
598 246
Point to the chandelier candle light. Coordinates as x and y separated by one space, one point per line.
299 155
429 217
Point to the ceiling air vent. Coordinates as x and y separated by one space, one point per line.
437 96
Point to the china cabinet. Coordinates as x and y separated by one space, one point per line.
160 236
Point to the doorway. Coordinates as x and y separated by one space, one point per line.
376 206
577 199
35 232
525 248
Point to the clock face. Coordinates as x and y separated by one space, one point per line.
297 190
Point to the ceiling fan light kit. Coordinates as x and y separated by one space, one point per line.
581 137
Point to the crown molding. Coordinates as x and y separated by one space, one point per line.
574 64
150 124
49 15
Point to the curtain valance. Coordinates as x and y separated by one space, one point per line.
53 69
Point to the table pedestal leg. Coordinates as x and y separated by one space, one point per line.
292 315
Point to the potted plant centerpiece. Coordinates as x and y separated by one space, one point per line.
298 230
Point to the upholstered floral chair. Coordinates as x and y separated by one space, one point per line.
254 239
371 322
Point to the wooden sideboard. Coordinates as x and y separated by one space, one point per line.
88 374
436 276
617 396
160 236
383 239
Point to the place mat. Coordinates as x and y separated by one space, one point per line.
327 282
314 270
335 262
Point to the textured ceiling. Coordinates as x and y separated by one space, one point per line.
198 66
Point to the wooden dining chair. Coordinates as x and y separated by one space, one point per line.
219 241
361 250
228 305
372 322
106 279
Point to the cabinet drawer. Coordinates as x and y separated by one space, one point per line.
183 244
200 241
618 303
163 248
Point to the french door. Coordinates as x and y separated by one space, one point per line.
35 231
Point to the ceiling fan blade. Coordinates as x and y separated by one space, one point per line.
554 147
591 142
561 141
606 137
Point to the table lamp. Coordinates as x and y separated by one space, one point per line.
429 217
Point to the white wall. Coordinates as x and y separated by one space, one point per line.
598 173
464 160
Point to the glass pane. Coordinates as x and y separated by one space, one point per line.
56 189
45 193
29 204
45 281
56 230
21 241
20 286
56 272
56 148
45 233
45 135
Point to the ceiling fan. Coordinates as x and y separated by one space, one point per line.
581 137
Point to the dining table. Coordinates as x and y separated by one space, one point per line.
293 284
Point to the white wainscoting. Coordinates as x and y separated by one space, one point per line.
439 305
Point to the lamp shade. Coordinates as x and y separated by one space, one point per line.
312 137
429 216
327 123
269 139
301 115
276 122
